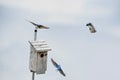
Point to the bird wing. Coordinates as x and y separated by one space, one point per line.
61 71
38 26
44 27
54 63
32 23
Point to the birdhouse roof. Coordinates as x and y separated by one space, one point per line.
40 45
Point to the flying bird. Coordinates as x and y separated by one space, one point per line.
58 67
91 27
38 26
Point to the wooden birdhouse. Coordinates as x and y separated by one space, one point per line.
38 56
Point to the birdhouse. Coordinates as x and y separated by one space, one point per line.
38 56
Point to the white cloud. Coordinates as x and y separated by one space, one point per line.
63 11
115 32
47 5
89 49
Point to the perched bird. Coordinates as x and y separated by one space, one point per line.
91 27
58 67
39 26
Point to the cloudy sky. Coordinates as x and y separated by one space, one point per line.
82 55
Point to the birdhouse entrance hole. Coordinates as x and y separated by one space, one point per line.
42 54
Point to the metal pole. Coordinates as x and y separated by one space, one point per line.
33 75
35 35
35 38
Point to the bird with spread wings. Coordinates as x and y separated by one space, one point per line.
58 67
38 26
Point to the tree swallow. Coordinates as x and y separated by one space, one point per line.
58 67
91 27
38 26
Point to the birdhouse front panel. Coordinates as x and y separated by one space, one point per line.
42 62
38 57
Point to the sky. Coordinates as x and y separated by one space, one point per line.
82 55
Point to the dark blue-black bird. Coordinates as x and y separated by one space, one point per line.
38 26
58 67
91 27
